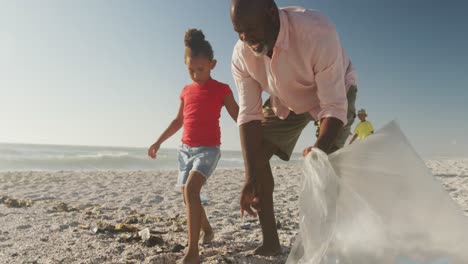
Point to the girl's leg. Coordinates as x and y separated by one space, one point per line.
194 211
208 234
205 224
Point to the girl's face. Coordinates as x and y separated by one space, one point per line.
199 68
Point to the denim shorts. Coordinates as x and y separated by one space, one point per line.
200 159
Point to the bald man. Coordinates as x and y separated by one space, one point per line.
294 55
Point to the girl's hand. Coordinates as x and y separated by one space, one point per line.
153 150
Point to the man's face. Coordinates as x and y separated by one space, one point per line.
257 31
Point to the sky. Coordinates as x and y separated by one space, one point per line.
109 73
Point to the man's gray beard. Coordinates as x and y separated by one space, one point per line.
264 51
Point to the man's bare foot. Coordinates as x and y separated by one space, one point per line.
267 250
189 260
207 236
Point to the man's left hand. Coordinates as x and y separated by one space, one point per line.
306 151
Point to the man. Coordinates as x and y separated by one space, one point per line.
294 55
364 128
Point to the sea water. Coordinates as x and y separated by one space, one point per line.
26 157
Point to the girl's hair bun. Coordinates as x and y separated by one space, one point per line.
197 45
194 37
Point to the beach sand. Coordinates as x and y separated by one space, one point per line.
58 226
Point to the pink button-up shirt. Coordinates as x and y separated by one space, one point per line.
308 71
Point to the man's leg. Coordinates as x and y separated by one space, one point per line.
280 137
266 213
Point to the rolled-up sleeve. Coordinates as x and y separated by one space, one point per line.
250 92
330 77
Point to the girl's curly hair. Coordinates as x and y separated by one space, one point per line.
196 45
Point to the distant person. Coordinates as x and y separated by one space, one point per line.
364 128
295 55
199 113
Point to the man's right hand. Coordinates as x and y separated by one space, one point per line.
249 201
251 135
153 150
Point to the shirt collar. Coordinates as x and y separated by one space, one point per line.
282 41
207 83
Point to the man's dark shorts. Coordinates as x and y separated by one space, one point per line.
285 133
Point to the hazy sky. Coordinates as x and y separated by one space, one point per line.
110 72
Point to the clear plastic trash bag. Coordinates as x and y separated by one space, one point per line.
376 202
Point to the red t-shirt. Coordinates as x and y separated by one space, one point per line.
202 109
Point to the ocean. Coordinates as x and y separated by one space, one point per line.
33 157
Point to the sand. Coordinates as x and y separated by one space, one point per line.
58 226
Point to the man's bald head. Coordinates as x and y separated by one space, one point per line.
257 23
243 8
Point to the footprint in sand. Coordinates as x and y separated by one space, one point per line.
22 227
156 200
136 200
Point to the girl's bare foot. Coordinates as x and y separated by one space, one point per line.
207 236
189 260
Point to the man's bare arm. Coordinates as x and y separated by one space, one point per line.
329 129
251 136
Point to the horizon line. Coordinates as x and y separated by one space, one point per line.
84 145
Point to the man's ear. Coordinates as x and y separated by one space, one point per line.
213 64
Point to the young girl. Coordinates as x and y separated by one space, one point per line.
199 112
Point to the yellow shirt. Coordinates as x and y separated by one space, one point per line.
363 129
